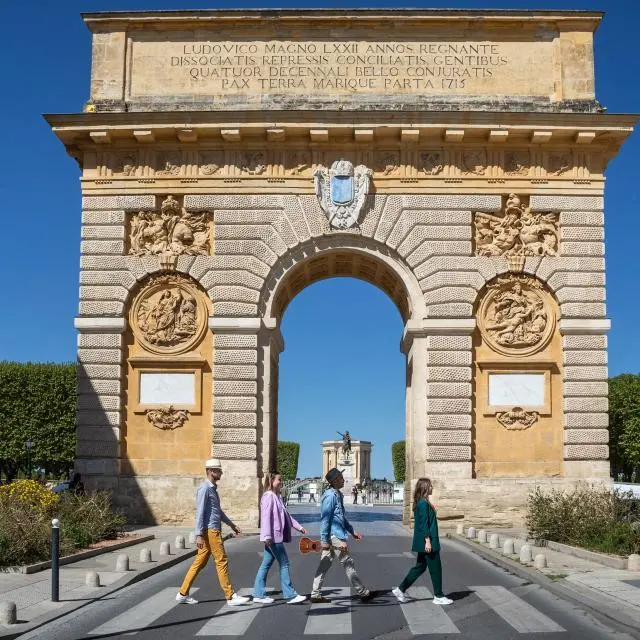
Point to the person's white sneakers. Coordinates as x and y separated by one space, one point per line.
443 600
185 599
236 600
263 600
297 599
399 594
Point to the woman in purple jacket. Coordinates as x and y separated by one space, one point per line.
275 529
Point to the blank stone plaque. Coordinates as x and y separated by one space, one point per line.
516 389
167 388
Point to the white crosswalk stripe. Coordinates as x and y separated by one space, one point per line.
333 618
232 621
141 615
516 612
423 617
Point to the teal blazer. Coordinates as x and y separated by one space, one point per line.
425 526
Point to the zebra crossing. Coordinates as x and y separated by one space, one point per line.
419 615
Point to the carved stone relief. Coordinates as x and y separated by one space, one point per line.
298 163
387 162
125 164
169 315
559 164
169 163
516 232
517 163
253 163
516 316
431 162
172 230
211 163
517 418
474 162
167 418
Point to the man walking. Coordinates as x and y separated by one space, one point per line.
209 516
334 528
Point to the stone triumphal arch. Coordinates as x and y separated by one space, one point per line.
453 159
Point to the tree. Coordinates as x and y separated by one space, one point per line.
38 405
624 424
287 459
398 457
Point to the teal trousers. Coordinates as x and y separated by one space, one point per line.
425 561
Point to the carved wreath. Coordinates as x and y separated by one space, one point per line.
167 418
517 418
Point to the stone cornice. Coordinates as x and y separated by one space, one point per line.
99 325
584 326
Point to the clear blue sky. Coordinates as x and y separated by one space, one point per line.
331 379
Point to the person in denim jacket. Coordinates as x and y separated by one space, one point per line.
334 531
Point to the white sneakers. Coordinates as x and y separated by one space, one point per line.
263 600
296 599
185 599
402 597
236 600
399 594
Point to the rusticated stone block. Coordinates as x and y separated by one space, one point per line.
231 262
234 309
100 356
234 341
234 435
133 203
586 452
234 372
235 277
106 263
581 219
572 357
234 451
103 217
470 202
438 248
449 437
447 360
586 373
582 234
450 295
102 247
235 356
469 279
100 340
234 419
100 371
109 308
449 343
234 293
586 436
212 202
445 421
98 418
453 453
103 293
449 405
233 387
448 390
580 294
449 374
98 402
582 248
566 203
101 387
104 278
102 232
584 342
562 279
589 404
450 310
586 420
236 403
583 310
583 389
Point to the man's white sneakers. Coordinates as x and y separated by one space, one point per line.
263 600
236 600
442 600
185 599
399 594
297 599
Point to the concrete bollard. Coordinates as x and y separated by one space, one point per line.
192 537
471 533
122 562
482 535
526 553
460 529
92 579
145 555
508 547
8 612
180 544
494 541
165 549
633 563
540 561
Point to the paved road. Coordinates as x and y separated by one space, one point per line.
489 603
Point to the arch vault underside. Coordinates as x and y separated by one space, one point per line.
200 224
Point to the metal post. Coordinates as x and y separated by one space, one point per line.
55 558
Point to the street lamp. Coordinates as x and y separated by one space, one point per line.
29 446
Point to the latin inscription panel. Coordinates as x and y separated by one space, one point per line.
202 65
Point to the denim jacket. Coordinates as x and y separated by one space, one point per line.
333 520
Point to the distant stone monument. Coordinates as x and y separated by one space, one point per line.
352 457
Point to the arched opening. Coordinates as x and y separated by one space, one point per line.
348 326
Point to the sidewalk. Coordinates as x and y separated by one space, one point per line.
613 592
32 592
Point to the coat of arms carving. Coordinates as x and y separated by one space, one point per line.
341 191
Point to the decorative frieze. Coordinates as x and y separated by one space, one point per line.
167 418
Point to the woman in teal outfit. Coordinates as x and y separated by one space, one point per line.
426 543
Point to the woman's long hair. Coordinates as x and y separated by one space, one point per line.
268 480
422 490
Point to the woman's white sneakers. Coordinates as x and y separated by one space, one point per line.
185 599
442 600
399 594
236 600
296 599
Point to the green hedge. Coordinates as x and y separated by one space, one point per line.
287 459
398 457
37 404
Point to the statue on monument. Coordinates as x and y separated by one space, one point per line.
346 443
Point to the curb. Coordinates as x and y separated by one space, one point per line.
76 557
16 630
612 562
604 613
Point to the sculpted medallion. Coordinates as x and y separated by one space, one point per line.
474 162
169 315
172 230
431 162
516 316
253 163
341 191
211 163
517 163
387 162
559 164
517 231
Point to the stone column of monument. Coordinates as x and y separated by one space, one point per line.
473 199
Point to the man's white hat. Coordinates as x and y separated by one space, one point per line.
213 463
